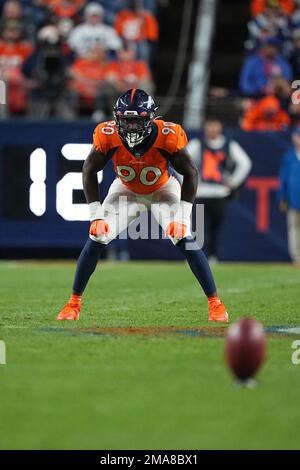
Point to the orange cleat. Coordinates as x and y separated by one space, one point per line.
71 310
217 310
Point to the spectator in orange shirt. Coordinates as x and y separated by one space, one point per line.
66 8
138 28
265 114
87 74
13 52
258 6
128 72
120 75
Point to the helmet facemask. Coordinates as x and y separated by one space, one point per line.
132 128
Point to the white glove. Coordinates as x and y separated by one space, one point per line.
183 214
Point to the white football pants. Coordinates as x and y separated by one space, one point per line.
122 207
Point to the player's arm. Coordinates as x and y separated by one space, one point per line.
184 165
95 162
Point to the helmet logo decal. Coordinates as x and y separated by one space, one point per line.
150 102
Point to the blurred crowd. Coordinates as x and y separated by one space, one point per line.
271 67
69 58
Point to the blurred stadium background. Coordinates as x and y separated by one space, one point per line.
143 369
63 63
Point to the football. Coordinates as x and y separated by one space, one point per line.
245 348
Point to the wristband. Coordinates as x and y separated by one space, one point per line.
183 214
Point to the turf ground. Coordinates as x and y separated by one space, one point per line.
73 385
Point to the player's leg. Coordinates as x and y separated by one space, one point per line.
119 207
86 265
199 265
162 201
205 203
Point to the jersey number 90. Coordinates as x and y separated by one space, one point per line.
148 175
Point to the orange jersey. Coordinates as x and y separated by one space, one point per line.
87 76
136 26
66 9
128 71
14 54
142 173
258 6
265 115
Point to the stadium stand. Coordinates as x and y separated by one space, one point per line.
14 50
138 28
265 62
265 67
262 67
66 59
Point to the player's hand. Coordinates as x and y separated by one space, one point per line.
283 206
99 228
175 230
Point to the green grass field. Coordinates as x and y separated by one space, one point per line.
65 386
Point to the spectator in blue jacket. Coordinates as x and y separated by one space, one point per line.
289 195
261 68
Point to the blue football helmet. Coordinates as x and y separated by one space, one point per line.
134 114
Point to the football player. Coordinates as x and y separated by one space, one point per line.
141 148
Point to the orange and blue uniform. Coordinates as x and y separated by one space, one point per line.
147 171
143 183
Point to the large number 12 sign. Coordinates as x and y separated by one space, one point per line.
72 181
